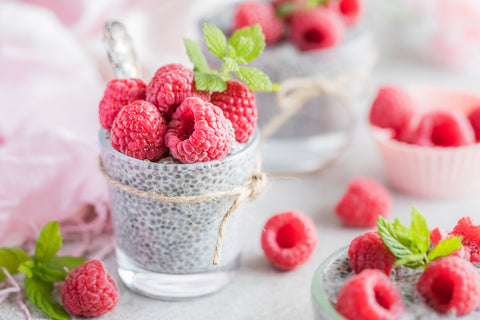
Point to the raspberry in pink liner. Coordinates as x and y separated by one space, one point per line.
436 172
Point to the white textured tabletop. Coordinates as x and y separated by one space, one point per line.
259 291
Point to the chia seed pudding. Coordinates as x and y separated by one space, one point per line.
335 271
175 237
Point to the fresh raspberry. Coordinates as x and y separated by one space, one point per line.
89 290
138 131
314 29
367 251
119 92
239 106
370 295
170 85
438 234
349 10
474 118
250 13
392 108
362 203
470 237
450 284
198 132
288 239
444 129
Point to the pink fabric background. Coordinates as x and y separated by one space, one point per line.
53 70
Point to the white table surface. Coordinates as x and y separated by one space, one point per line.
259 291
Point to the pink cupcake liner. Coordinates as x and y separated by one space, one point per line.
432 171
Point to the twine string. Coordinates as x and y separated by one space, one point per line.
255 185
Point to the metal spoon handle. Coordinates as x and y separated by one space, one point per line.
120 51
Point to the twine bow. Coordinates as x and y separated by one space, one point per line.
255 185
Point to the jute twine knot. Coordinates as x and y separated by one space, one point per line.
255 185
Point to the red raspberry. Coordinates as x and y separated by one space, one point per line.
368 251
89 290
314 29
470 237
438 234
370 295
450 284
474 118
444 129
362 203
288 239
239 106
119 92
349 10
250 13
392 108
138 131
170 85
198 132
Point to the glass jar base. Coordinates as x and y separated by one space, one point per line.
168 286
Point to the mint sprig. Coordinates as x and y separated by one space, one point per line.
41 270
411 245
244 46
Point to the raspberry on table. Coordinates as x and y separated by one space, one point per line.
392 108
198 132
138 131
470 234
170 85
450 284
370 295
444 129
288 239
474 118
118 93
367 251
317 28
362 203
350 10
263 13
89 290
238 105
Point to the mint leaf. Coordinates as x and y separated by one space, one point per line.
48 243
415 260
196 56
48 275
230 65
27 268
216 41
255 79
255 34
39 292
209 81
419 232
54 269
402 233
10 259
243 47
285 9
63 262
389 238
445 248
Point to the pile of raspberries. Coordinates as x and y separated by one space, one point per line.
169 116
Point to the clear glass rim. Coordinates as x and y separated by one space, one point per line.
319 296
252 144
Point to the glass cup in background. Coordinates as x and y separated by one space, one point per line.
165 249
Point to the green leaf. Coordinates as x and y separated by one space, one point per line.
389 237
230 65
209 81
63 262
275 86
10 259
47 274
216 41
419 232
255 78
255 34
445 248
27 268
54 269
243 47
39 292
48 243
285 9
402 233
196 56
415 260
